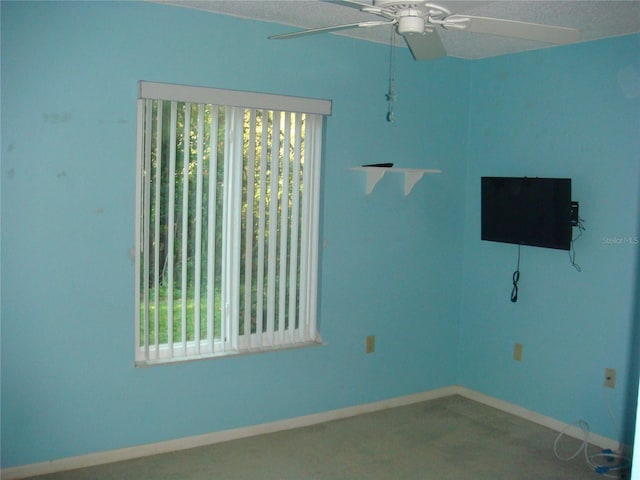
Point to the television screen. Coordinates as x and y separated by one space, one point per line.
527 211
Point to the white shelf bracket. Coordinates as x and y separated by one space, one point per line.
374 175
411 177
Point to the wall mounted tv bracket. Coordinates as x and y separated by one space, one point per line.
575 219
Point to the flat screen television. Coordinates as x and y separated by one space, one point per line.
527 211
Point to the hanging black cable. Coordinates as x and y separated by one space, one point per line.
516 279
572 250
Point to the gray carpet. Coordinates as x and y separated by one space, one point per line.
450 438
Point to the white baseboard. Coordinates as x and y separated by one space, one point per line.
569 430
100 458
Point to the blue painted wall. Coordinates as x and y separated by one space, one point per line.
389 262
410 270
565 112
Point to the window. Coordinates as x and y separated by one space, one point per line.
226 221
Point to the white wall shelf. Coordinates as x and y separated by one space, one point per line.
411 176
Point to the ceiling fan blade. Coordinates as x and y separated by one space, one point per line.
425 46
335 28
364 7
517 29
350 3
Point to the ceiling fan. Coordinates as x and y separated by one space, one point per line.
418 22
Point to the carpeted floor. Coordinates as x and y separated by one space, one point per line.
450 438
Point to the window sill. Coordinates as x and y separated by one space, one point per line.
224 354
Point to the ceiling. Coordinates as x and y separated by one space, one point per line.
595 19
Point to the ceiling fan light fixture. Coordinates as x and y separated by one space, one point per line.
410 24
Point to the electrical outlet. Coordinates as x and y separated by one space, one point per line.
370 344
517 352
610 377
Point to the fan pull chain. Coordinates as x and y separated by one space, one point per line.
391 94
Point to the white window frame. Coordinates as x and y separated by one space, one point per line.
150 351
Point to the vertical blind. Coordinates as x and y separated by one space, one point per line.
227 222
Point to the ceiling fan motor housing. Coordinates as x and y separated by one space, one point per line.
408 24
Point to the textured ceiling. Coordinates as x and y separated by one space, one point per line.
595 19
